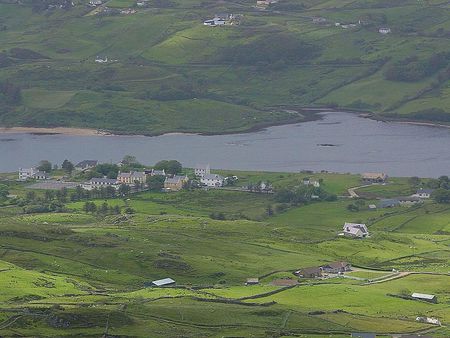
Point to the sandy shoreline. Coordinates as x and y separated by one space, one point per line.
53 131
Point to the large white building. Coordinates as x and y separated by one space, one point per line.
355 230
96 183
201 171
212 180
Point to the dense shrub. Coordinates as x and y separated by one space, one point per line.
270 49
413 69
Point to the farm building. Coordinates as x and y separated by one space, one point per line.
355 230
384 30
374 177
409 200
212 180
425 297
100 182
312 272
163 282
423 193
252 281
336 267
388 203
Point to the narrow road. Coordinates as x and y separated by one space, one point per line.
352 191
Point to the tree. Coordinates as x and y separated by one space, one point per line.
45 166
155 183
171 167
129 160
124 190
67 166
4 192
103 208
30 196
441 195
269 210
414 181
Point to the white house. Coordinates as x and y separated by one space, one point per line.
214 22
95 182
41 175
212 180
95 3
384 30
98 59
355 230
201 171
423 193
86 165
26 173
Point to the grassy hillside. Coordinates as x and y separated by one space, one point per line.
168 72
83 274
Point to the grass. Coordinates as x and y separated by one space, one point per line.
169 72
68 274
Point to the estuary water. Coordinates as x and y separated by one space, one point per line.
340 142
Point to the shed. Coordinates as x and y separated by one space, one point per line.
425 297
163 282
252 281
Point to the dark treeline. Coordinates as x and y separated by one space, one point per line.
414 69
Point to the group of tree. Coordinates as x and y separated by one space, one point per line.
4 191
103 209
50 201
269 49
171 167
441 194
100 193
10 93
303 195
412 69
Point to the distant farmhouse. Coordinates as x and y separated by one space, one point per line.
214 22
96 183
336 267
355 230
212 180
329 268
384 30
388 203
409 200
312 272
86 165
32 173
423 193
374 177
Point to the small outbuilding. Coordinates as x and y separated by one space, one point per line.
252 281
311 272
425 297
163 282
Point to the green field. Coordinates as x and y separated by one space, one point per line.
169 73
79 274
